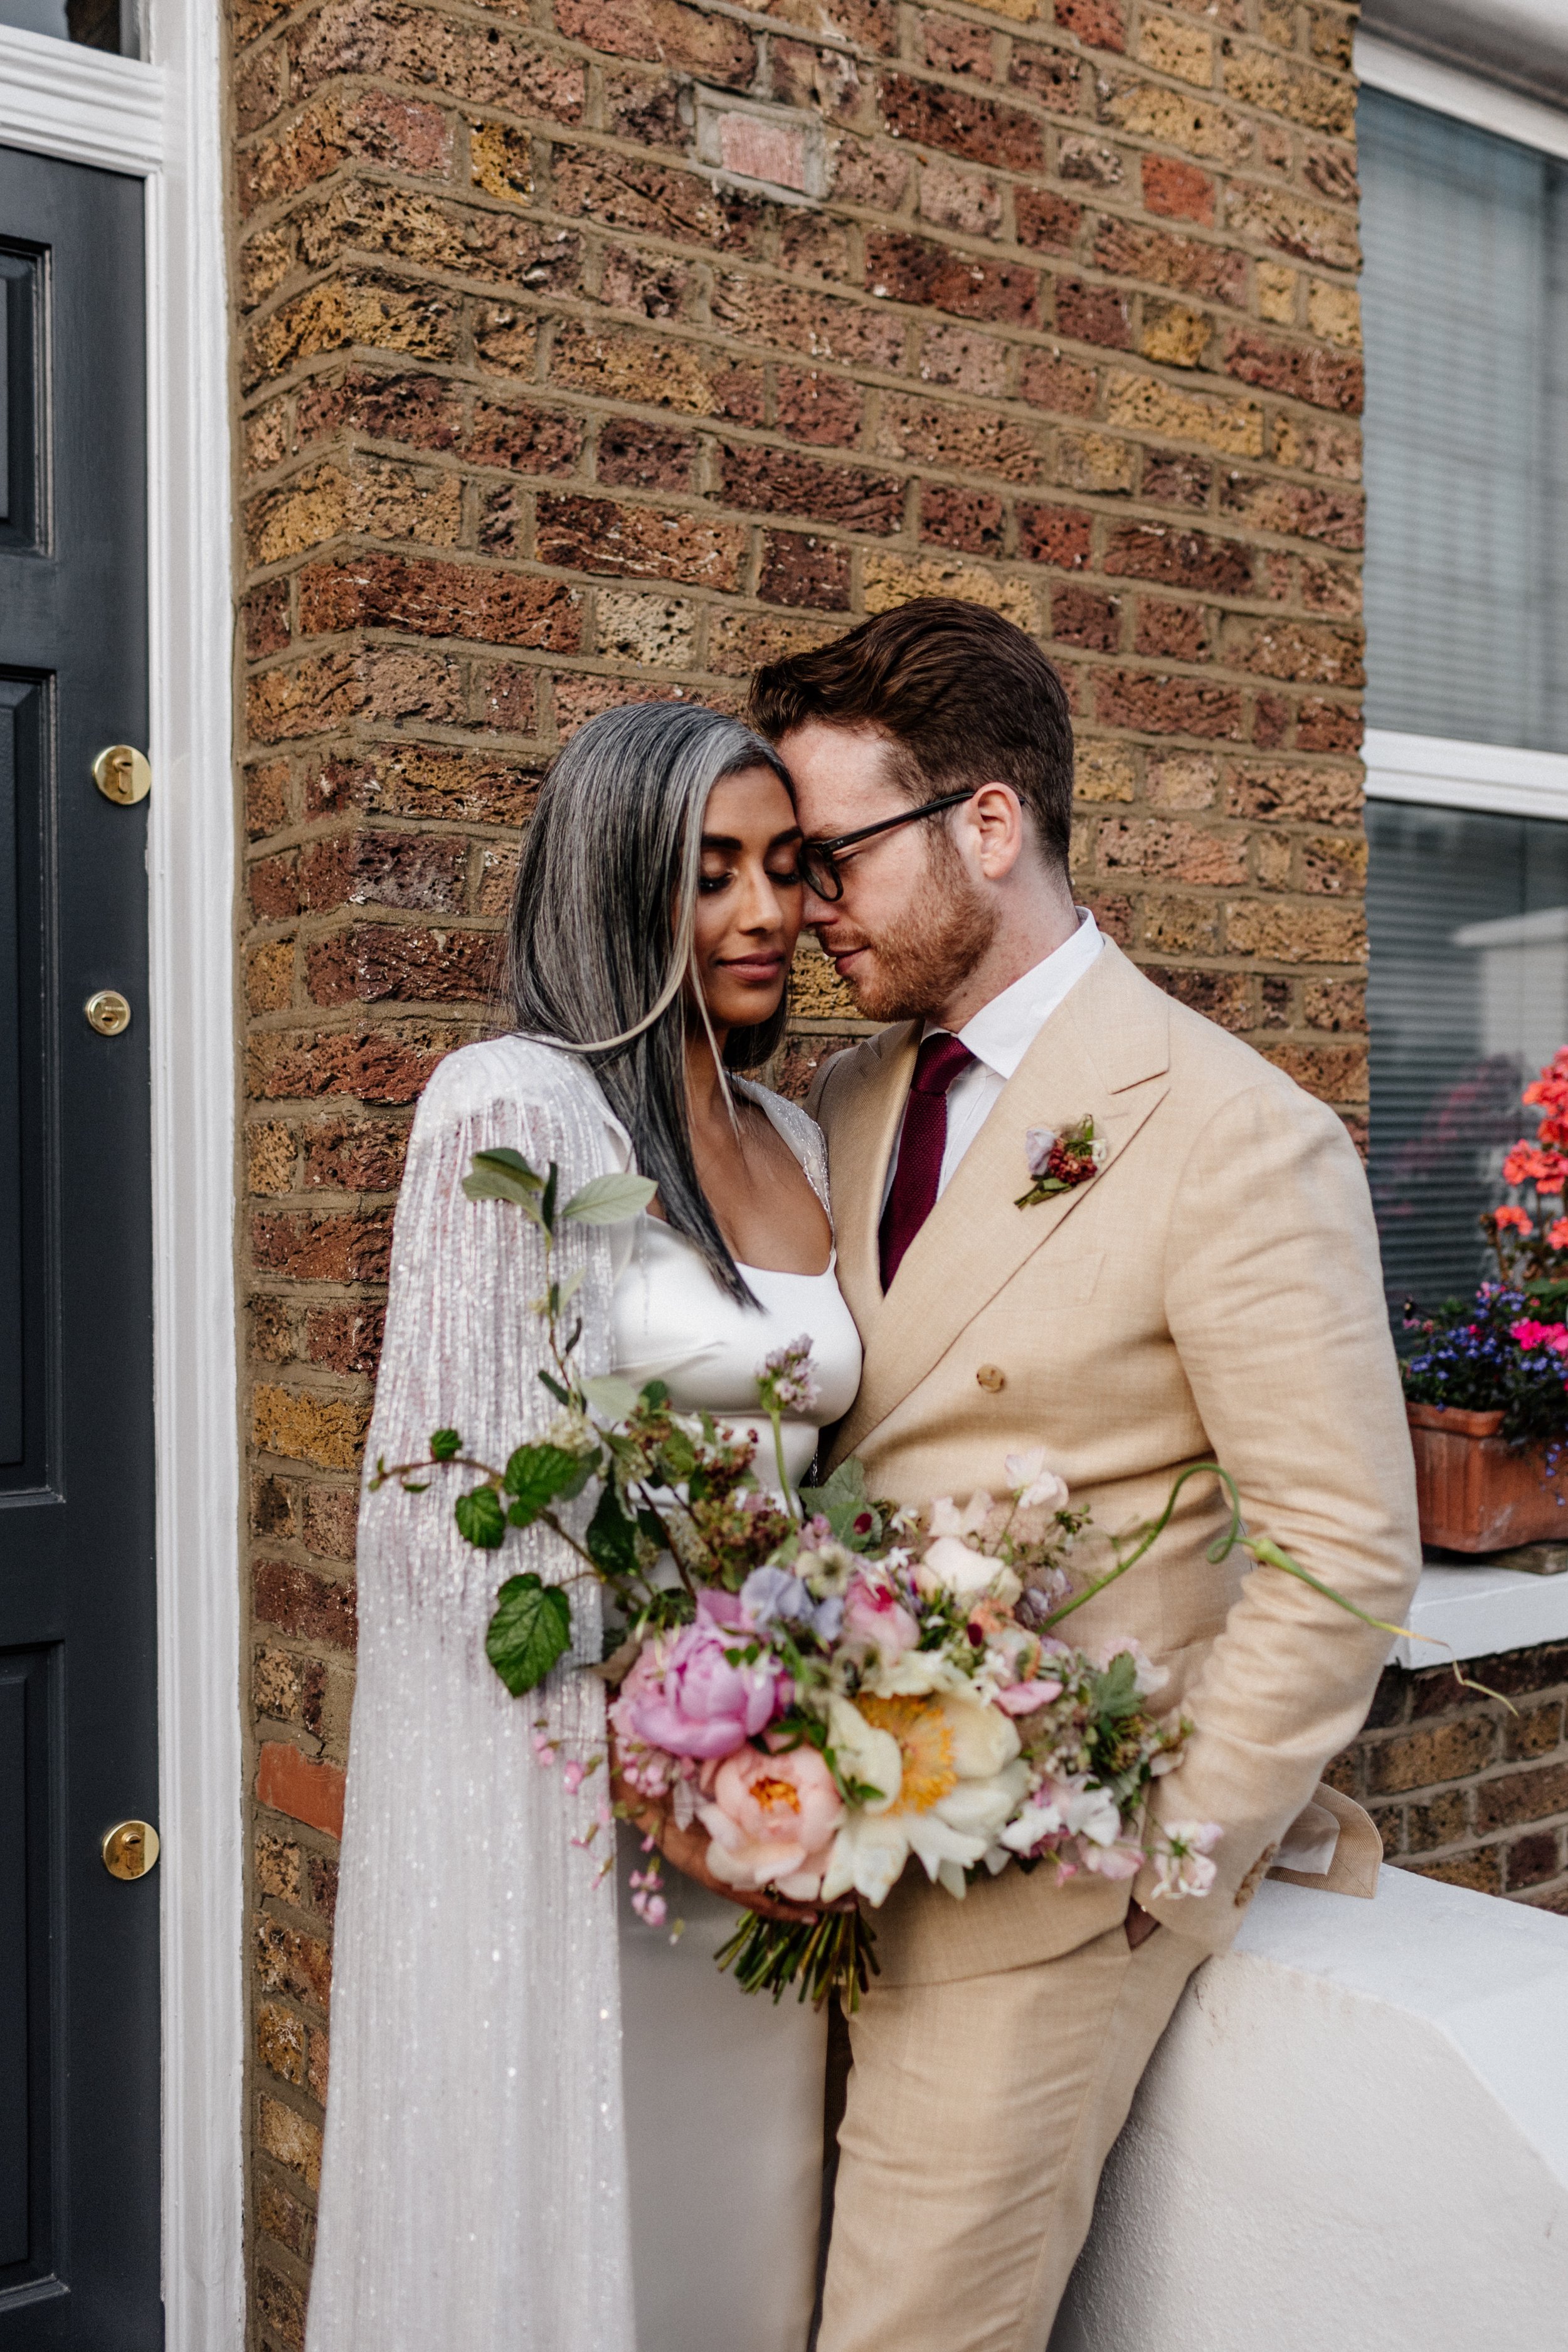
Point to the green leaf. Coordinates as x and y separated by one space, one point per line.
1116 1690
480 1519
547 1199
444 1445
612 1538
612 1396
610 1200
530 1629
536 1475
503 1175
843 1501
654 1394
678 1455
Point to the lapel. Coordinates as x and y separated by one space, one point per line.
859 1146
1105 1050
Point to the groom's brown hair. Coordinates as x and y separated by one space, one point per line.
963 696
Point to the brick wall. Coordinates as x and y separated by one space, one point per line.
1462 1789
602 348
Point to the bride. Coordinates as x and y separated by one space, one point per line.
552 2129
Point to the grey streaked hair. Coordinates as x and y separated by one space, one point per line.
599 941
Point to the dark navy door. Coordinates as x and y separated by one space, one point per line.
79 1948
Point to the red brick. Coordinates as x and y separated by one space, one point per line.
371 961
782 481
322 1248
1094 314
1172 632
1178 190
639 542
1064 387
1174 478
290 1962
1335 517
625 192
1527 1795
264 615
963 123
1054 77
422 779
1306 371
1046 220
825 409
1081 616
971 519
714 48
956 48
1185 263
345 1339
1329 726
281 2306
1183 559
1098 24
1529 1860
331 1522
1417 1759
296 1602
355 1155
635 455
290 1783
1055 535
1158 705
525 440
935 277
439 599
421 411
799 568
389 1064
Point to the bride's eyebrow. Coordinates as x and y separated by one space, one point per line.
724 842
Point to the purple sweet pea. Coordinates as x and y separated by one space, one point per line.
702 1704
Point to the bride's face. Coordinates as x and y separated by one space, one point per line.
749 897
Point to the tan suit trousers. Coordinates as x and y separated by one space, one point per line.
979 2115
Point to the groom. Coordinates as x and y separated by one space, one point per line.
1212 1292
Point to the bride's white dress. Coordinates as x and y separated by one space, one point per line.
723 2092
489 2181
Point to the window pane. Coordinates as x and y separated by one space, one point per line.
95 23
1466 315
1468 996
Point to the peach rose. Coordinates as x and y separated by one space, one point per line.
772 1820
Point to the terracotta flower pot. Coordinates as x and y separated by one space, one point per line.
1478 1494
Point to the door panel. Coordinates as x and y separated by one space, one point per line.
78 1948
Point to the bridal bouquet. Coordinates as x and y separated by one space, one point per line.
821 1686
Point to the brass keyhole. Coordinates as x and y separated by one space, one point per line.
108 1011
130 1848
123 775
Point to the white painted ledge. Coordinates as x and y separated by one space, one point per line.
1479 1611
1353 2138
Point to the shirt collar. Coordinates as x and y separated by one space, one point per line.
1002 1032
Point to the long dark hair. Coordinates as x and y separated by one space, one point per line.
599 941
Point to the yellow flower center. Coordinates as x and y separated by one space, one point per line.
925 1743
769 1792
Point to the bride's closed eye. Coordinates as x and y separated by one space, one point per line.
786 877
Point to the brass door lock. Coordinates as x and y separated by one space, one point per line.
108 1011
130 1848
123 775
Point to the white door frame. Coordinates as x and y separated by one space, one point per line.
162 121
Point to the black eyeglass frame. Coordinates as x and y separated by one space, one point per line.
823 854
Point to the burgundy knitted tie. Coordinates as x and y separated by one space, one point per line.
941 1059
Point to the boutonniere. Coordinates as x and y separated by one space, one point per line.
1059 1158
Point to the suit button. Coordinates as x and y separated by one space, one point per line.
992 1377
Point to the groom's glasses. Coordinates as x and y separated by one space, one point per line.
819 859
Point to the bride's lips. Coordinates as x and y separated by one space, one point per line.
757 969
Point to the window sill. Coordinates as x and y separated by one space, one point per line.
1479 1611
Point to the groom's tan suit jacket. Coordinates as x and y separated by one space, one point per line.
1214 1293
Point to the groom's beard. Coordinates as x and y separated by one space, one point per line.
914 967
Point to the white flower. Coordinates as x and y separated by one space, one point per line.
947 1519
1093 1813
949 1566
948 1836
985 1740
1099 1152
1038 1819
868 1854
1029 1473
1037 1143
1184 1868
865 1754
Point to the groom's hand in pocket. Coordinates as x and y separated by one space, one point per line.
686 1850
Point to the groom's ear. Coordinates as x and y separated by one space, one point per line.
999 828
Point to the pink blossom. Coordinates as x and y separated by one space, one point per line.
572 1777
873 1612
1530 1334
772 1820
1510 1219
693 1693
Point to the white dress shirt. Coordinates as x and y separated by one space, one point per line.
999 1036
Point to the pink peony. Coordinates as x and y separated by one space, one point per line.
873 1612
685 1695
772 1820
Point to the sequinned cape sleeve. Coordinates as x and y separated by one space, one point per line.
474 2178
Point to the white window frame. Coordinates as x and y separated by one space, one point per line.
161 121
1481 1609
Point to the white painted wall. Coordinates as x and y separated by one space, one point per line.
1353 2138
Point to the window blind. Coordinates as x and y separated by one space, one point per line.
1465 309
